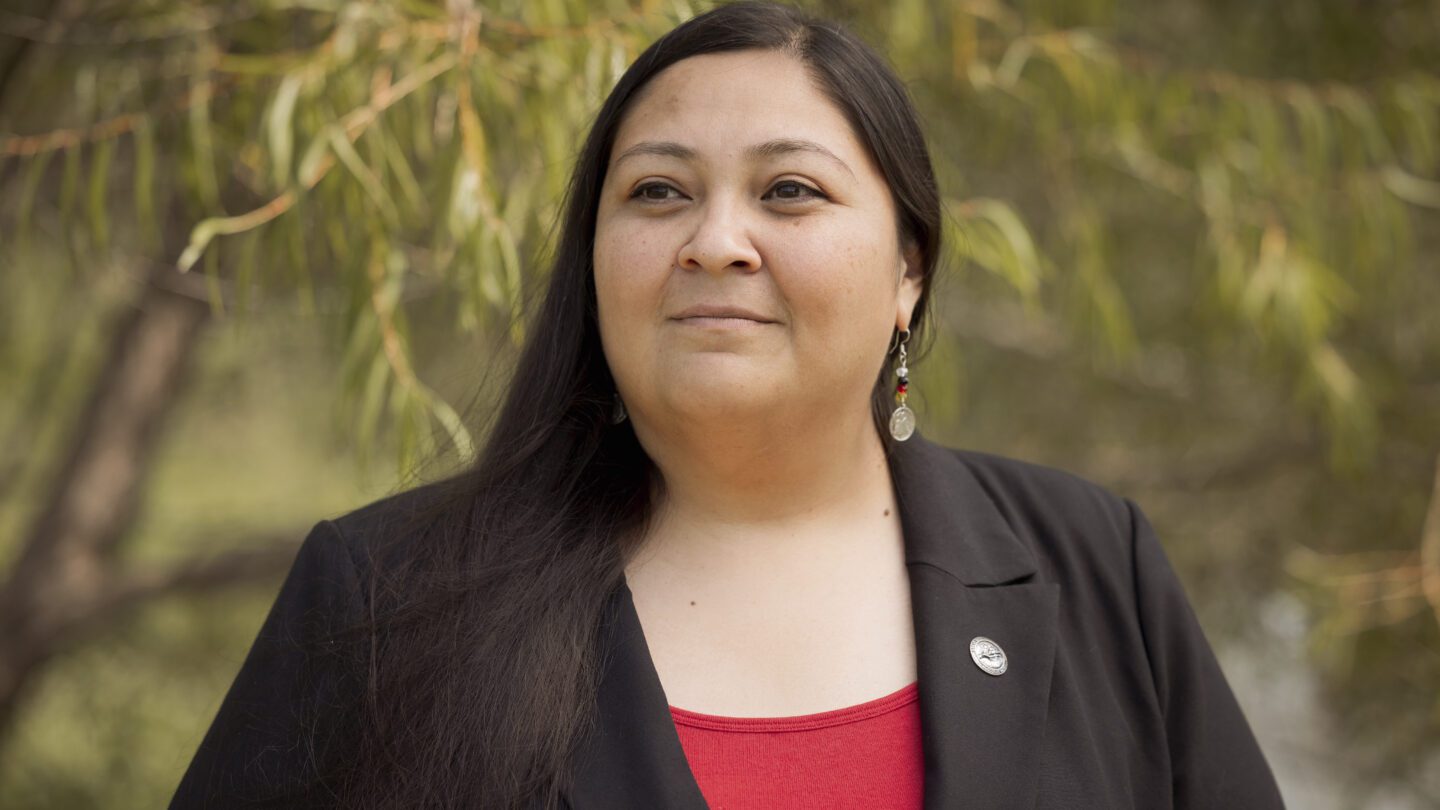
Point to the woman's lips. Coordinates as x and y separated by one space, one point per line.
719 312
721 322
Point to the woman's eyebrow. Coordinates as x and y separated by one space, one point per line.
767 149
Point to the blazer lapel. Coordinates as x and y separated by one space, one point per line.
970 576
633 758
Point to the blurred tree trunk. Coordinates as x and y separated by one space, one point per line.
67 562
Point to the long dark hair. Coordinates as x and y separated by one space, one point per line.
481 659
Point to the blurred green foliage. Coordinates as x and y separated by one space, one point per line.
1193 257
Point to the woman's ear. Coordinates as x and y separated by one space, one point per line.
912 284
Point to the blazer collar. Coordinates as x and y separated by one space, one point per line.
948 519
969 576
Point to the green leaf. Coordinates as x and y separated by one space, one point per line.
362 343
1012 64
372 399
1316 135
1418 115
95 193
149 223
454 427
315 153
1411 189
1361 115
70 182
466 204
404 175
245 264
1266 131
25 205
510 263
202 145
200 238
213 292
1012 255
491 273
368 180
279 126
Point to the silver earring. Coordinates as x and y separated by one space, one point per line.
902 420
617 410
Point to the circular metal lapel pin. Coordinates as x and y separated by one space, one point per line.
988 656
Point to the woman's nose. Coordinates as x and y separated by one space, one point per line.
720 240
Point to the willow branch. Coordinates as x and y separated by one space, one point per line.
353 125
30 145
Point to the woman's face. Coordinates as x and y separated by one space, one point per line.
746 252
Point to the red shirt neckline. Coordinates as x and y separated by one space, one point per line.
800 722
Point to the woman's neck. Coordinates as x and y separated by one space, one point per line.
737 489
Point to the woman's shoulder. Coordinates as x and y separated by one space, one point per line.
383 527
1069 522
416 502
1027 491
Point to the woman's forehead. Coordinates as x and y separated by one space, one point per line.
734 104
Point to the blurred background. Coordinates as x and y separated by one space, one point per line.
263 261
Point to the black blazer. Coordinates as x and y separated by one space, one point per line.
1111 697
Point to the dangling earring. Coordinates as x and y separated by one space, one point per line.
902 420
617 410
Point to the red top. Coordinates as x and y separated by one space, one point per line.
863 756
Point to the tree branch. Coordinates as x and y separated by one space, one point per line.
254 560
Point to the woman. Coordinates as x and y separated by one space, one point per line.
703 559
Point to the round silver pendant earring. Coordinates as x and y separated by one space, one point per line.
902 419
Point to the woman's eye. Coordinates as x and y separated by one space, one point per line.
654 192
793 190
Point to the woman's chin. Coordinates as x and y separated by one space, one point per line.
743 374
708 392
